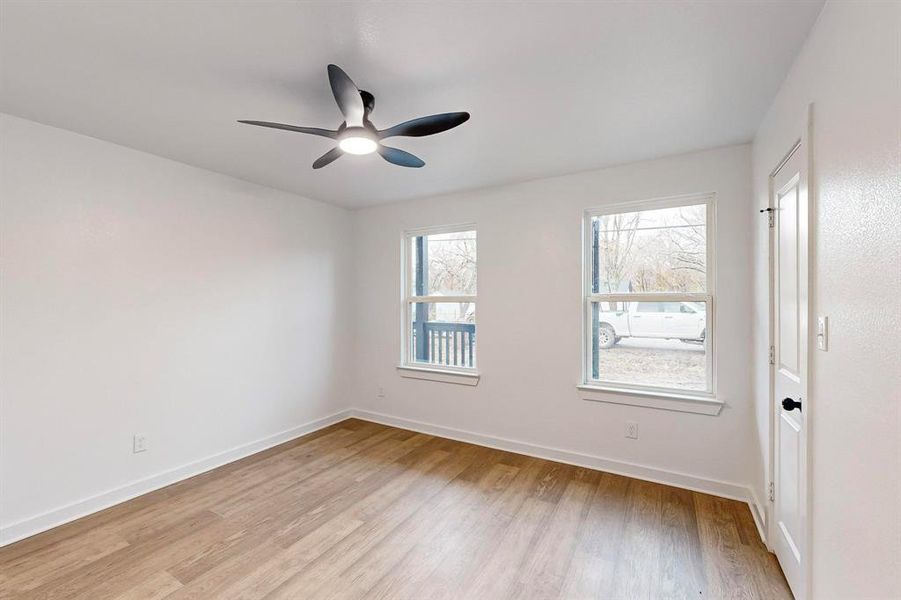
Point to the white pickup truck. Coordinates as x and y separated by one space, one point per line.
685 321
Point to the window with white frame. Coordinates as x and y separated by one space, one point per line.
439 292
649 296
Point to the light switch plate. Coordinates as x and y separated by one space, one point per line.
822 333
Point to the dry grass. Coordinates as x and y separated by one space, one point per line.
665 363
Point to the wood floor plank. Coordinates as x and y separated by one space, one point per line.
361 510
156 587
215 582
272 573
387 470
729 575
637 565
30 570
282 517
381 512
497 577
126 567
301 466
597 549
460 550
452 506
680 564
544 572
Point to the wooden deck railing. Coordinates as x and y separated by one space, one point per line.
450 344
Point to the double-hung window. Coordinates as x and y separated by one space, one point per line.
648 302
439 298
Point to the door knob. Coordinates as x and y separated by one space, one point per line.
789 404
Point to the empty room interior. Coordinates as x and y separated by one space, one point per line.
450 300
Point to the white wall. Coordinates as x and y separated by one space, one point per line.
850 69
529 318
141 295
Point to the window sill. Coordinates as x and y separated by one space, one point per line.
441 375
701 405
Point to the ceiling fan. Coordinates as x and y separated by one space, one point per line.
357 134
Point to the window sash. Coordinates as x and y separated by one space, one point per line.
589 297
650 297
707 199
438 299
409 298
710 388
409 360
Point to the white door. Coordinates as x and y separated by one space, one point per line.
790 403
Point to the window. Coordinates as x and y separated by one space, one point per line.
649 297
440 298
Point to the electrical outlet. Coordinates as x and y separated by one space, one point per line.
632 430
139 444
380 393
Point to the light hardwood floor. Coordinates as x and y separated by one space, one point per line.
360 510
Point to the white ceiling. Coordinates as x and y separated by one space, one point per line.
553 88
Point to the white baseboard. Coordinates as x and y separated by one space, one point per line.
724 489
759 514
65 514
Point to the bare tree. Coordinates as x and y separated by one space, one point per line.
688 246
616 238
661 251
452 266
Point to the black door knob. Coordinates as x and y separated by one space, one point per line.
789 404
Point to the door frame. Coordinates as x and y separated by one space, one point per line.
799 143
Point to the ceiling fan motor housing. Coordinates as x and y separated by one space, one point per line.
362 137
368 101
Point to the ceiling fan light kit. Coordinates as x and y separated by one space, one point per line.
357 135
357 140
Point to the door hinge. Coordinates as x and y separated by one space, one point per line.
772 355
772 493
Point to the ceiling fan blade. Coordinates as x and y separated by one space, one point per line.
426 125
327 158
400 157
347 96
311 130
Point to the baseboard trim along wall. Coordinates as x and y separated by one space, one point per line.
759 514
724 489
71 512
82 508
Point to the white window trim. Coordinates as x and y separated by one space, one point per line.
704 402
449 375
407 367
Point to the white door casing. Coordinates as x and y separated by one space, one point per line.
789 244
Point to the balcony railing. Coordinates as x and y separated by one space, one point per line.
450 344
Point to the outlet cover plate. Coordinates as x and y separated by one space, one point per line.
139 443
632 430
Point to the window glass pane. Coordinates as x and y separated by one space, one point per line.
648 307
443 264
666 348
613 306
663 250
443 333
